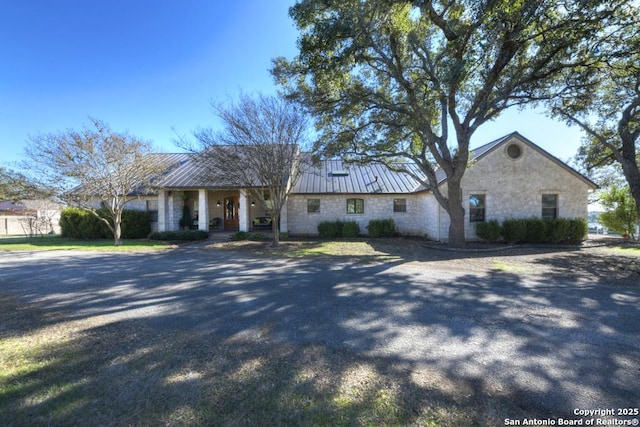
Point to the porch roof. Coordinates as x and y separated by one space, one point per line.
188 173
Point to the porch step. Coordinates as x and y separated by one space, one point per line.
220 236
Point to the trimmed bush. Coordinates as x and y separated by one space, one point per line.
330 229
351 229
78 223
515 230
240 235
489 231
243 235
568 230
81 224
135 224
536 230
337 228
184 235
382 228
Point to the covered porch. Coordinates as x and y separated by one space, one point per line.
212 210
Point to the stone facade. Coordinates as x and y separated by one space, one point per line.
334 207
512 181
513 187
511 174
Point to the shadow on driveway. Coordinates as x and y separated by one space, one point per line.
539 342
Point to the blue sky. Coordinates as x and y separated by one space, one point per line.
149 67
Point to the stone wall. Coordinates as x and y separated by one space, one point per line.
334 207
513 188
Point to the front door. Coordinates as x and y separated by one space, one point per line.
231 221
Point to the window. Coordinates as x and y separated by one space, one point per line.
476 207
355 206
313 205
399 205
152 208
514 151
549 206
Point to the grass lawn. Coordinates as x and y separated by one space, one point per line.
627 250
49 243
384 248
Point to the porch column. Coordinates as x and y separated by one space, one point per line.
162 210
172 213
203 210
243 211
284 227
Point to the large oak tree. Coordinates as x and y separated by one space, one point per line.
395 80
608 109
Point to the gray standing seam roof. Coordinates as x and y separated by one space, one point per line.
374 178
360 179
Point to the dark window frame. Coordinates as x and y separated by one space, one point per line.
313 205
550 206
355 206
399 205
478 210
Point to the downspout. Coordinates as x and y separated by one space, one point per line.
439 213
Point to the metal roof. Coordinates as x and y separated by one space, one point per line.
337 177
187 172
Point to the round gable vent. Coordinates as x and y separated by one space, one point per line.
514 151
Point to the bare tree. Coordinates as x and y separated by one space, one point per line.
44 213
258 149
95 168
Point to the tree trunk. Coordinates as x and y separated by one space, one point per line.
628 156
117 231
631 172
456 215
275 219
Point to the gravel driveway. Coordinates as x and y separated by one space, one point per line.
556 330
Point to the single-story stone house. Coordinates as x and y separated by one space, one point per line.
510 177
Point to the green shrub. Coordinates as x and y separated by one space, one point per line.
78 223
621 214
568 230
578 230
515 230
351 229
489 231
81 224
330 229
337 228
536 230
69 220
256 237
284 235
183 235
381 228
240 235
135 224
